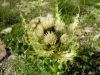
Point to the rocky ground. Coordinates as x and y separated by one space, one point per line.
5 58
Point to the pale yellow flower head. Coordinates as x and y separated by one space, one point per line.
50 38
47 22
59 26
32 23
74 25
63 38
39 31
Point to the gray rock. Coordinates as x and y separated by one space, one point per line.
2 51
6 31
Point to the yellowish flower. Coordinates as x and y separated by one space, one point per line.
32 23
47 22
63 38
39 31
59 26
50 38
74 25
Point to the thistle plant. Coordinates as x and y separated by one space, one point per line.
49 35
61 37
56 39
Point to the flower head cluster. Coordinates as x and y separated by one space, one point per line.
47 36
44 29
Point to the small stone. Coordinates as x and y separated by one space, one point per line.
6 31
2 51
97 48
97 4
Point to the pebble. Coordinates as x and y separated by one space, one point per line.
2 51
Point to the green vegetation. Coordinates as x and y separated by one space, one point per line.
51 37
